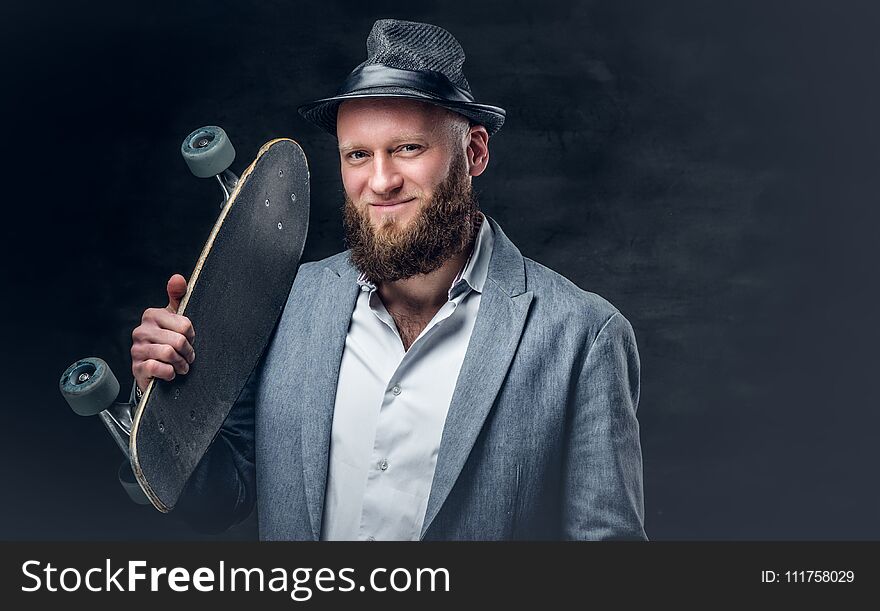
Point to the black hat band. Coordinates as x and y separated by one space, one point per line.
429 82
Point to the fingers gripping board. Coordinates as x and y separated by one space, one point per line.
234 298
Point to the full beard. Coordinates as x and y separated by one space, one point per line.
441 229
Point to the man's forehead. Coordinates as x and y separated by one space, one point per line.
391 117
391 105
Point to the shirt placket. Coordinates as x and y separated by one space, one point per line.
381 472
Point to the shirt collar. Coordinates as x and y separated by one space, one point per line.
475 270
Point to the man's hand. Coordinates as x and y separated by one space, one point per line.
162 344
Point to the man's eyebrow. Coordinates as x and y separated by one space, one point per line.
409 137
347 146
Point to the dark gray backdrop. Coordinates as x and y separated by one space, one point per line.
709 167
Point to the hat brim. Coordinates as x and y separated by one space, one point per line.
323 112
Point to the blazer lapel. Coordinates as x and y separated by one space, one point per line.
504 307
333 310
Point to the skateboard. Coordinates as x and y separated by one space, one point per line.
234 298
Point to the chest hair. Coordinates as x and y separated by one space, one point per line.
409 326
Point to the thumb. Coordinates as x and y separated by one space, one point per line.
176 289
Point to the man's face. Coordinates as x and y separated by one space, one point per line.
409 203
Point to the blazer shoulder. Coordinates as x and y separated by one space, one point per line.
336 262
308 279
560 306
560 294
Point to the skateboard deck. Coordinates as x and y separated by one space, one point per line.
234 298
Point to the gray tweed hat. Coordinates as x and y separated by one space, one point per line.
405 59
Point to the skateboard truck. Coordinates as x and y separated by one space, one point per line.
90 388
88 385
209 153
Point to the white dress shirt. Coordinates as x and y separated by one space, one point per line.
391 406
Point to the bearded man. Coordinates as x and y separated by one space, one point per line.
430 382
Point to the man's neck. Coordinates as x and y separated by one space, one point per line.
424 294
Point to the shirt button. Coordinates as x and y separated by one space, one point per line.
396 389
383 464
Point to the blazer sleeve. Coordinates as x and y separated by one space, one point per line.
602 478
222 490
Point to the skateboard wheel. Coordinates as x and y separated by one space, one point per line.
89 387
207 151
130 485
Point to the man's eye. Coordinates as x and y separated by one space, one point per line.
410 147
355 155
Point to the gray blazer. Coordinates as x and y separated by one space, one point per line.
541 439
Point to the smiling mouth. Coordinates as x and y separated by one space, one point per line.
391 206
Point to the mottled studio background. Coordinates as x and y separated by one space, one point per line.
709 167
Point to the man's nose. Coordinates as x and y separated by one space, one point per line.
385 177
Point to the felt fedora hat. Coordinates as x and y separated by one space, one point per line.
416 61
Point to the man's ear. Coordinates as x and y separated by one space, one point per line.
477 150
